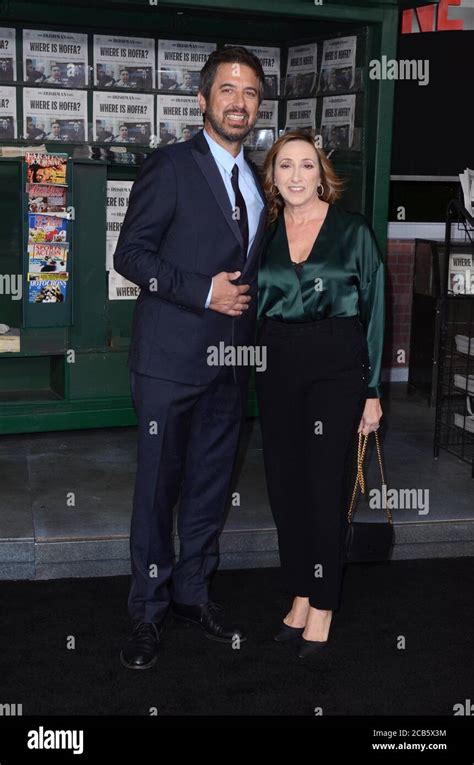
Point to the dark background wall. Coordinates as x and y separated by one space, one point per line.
433 124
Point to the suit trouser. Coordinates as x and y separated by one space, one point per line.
187 444
311 398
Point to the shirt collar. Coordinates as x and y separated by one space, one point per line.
224 157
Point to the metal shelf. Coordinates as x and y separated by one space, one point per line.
454 403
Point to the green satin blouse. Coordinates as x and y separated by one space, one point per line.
342 276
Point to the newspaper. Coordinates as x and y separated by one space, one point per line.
467 183
301 114
7 54
338 64
270 61
265 130
120 288
337 122
55 115
8 118
301 71
20 151
180 63
55 58
118 194
179 118
124 62
461 273
123 117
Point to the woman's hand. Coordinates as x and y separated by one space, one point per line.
371 416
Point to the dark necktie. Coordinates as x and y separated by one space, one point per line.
240 210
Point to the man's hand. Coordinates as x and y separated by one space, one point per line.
229 298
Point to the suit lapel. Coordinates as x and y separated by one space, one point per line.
263 215
257 240
203 156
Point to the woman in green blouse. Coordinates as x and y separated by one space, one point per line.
321 299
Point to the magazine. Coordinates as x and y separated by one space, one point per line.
48 168
47 258
47 227
49 288
46 197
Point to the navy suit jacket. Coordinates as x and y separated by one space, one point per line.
177 233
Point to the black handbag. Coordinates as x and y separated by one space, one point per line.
367 541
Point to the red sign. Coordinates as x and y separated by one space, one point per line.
431 18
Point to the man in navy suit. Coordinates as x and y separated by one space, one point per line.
191 240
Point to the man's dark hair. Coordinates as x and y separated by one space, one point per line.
234 54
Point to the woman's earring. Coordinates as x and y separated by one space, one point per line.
318 192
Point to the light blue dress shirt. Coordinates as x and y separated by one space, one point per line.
253 202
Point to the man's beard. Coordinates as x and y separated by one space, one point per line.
231 134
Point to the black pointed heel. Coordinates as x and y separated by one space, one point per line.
308 647
288 633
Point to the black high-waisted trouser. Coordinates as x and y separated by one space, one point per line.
311 398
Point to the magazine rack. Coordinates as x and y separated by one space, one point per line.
48 314
454 423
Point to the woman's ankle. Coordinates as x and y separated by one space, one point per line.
318 624
298 613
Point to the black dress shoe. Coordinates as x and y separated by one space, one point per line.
308 647
209 616
288 633
141 648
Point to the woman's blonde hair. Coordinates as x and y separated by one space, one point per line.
333 185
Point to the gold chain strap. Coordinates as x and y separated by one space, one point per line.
360 481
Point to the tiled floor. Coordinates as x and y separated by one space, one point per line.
65 497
